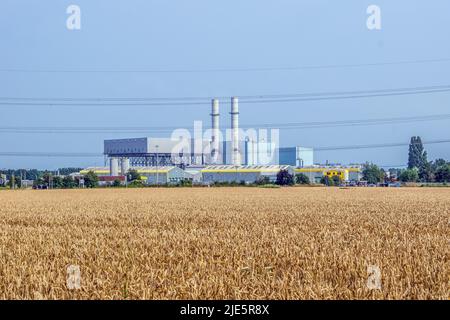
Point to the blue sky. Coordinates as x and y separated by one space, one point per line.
205 34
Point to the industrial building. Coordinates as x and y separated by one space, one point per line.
143 152
238 174
237 159
298 157
149 175
183 152
316 173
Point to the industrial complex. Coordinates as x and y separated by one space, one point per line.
239 157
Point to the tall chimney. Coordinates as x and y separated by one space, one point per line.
215 148
235 154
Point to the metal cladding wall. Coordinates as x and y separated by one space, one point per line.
125 146
296 156
248 174
231 177
316 173
153 178
162 151
162 175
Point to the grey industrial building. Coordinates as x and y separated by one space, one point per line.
149 175
247 174
236 159
183 152
296 156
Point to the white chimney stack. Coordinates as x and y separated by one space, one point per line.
235 154
215 148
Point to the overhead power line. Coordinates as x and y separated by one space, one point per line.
376 146
86 154
51 154
282 126
191 101
229 70
224 98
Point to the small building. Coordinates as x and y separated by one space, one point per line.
316 173
194 173
238 174
162 175
110 180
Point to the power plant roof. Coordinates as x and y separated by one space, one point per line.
141 170
244 169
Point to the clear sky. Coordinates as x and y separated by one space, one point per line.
221 34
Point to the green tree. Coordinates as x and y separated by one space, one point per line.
38 182
90 180
12 182
263 181
443 173
438 163
68 182
372 173
426 172
57 182
185 183
336 180
409 175
47 177
302 178
67 171
133 175
326 180
417 157
18 182
116 183
284 178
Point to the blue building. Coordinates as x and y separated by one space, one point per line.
298 157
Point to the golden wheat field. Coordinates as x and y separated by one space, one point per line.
225 243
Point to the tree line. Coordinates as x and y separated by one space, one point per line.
419 169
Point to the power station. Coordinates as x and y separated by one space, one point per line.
236 156
186 151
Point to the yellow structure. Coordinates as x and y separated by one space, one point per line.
344 173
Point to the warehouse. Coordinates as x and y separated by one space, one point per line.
162 175
238 174
149 175
315 174
143 152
